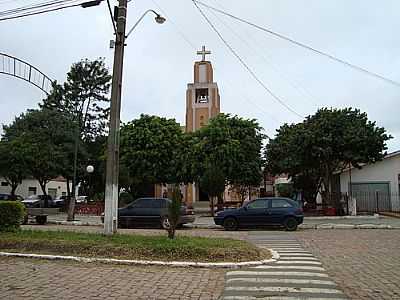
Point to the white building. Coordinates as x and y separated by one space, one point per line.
377 186
30 186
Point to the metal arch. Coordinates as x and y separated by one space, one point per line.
18 68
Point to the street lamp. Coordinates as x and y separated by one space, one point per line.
90 169
159 19
112 167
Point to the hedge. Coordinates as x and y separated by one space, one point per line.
12 214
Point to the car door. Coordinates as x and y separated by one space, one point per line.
254 213
279 209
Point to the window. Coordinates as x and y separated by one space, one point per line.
31 191
280 203
201 95
141 203
257 204
52 192
156 203
4 183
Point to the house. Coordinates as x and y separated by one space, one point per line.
375 186
30 186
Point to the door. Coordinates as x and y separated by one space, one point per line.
278 210
254 213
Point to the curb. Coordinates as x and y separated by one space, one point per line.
348 226
275 256
302 226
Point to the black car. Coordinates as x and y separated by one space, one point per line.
38 201
8 197
151 212
262 212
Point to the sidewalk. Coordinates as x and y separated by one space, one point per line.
346 222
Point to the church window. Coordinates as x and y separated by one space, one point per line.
201 95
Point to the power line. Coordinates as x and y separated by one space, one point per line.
111 16
244 63
280 73
48 10
34 6
193 46
281 36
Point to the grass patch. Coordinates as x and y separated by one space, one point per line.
130 246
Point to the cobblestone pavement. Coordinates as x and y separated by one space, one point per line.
364 263
39 280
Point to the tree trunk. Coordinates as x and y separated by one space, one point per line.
14 186
43 184
71 209
212 206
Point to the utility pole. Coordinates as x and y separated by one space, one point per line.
112 172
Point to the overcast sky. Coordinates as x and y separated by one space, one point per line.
159 58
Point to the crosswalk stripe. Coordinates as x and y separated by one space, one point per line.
289 258
265 267
281 280
276 273
298 262
283 289
277 298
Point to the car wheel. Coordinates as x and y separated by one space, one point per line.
165 224
290 224
230 224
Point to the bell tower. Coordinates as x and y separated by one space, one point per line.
202 104
202 96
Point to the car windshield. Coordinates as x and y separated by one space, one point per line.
32 197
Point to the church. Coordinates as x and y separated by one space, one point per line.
202 104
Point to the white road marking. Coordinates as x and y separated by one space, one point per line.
276 298
282 280
289 267
298 262
276 273
283 289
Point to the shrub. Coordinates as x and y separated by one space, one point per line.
12 213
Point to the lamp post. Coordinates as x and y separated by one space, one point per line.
112 166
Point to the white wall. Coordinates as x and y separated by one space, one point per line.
387 170
22 190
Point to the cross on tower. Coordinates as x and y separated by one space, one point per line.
203 53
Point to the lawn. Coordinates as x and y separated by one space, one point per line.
130 246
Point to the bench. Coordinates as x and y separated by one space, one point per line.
40 214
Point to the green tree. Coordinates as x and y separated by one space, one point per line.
151 151
212 181
41 136
84 96
236 144
12 164
174 211
324 143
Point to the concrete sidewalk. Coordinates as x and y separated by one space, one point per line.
346 222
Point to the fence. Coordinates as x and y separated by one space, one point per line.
377 202
90 209
366 203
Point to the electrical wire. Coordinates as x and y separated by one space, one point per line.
280 73
112 17
34 6
281 36
252 73
193 47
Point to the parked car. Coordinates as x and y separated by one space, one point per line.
150 211
262 212
60 201
8 197
38 201
81 199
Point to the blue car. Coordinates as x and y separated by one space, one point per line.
262 212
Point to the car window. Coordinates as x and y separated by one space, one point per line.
141 203
156 203
280 203
262 203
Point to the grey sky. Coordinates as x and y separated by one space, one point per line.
159 61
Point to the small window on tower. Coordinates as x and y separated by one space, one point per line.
202 96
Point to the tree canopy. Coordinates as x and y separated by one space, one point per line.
324 143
